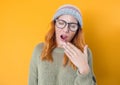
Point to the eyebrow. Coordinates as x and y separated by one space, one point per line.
68 22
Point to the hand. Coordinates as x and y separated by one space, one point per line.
79 59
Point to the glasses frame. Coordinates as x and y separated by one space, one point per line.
68 24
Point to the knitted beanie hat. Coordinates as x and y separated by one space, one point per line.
70 10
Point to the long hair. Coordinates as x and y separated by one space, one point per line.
50 44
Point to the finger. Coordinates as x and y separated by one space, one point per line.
85 50
71 45
69 48
68 51
74 47
69 56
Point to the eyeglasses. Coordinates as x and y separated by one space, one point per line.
61 24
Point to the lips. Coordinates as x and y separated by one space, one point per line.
63 37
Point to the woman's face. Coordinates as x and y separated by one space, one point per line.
65 28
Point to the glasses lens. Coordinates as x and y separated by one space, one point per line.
60 23
73 27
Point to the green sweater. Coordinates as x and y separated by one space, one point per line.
47 73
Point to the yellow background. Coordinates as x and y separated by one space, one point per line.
23 24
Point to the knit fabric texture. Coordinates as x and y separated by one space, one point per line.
47 73
69 9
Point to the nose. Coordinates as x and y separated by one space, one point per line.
66 29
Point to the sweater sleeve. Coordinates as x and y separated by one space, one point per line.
33 68
89 78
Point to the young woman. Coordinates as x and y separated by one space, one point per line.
64 58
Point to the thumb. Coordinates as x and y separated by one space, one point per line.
85 50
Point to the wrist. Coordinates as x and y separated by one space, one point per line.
84 70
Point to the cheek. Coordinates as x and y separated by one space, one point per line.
57 31
71 35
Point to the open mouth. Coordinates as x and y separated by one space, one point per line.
63 37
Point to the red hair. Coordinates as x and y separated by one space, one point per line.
50 44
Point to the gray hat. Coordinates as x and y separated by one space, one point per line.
70 10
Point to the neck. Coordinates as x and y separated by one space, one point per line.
59 46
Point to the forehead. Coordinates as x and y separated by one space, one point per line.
68 18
